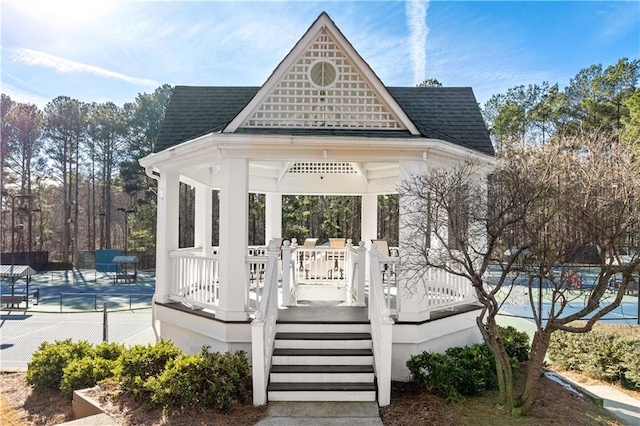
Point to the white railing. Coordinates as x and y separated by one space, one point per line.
388 267
445 289
381 329
263 330
321 264
195 281
256 271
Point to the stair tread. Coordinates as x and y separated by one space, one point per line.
323 321
322 336
322 352
354 369
333 387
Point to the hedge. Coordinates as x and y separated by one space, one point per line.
605 353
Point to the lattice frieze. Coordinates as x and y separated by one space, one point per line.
323 89
322 168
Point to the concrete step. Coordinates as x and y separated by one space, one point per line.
322 373
322 327
321 392
322 357
323 340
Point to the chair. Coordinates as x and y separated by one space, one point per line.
310 242
383 251
337 256
337 242
383 247
306 257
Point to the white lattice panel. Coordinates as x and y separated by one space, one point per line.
346 102
322 168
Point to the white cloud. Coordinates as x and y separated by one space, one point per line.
18 95
34 58
418 32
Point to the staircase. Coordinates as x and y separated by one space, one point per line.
322 361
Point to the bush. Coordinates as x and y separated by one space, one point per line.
141 362
602 354
45 370
516 343
205 380
109 350
85 372
457 373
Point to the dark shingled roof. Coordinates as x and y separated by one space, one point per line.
446 113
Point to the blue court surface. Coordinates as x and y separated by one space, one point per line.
71 306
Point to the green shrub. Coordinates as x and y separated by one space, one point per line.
208 379
457 373
85 372
602 354
45 370
516 343
109 350
141 362
631 363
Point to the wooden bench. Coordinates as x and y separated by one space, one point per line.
12 300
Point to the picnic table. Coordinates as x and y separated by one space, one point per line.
125 263
13 272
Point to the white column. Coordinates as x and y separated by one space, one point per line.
412 301
167 233
273 217
234 237
369 218
202 228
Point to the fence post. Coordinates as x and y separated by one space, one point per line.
105 324
60 302
95 302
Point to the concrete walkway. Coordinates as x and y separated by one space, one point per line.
619 404
321 413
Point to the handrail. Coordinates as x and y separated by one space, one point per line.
381 329
263 330
355 266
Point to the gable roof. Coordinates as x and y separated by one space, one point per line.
450 114
355 98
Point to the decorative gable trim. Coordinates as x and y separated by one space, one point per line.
323 83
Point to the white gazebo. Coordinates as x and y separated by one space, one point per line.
322 124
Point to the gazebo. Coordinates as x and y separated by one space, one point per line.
322 124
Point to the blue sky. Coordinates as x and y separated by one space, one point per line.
101 51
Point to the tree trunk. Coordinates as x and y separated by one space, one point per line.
539 347
503 365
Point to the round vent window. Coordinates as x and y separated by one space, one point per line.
323 73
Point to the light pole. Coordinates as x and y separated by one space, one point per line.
39 244
126 226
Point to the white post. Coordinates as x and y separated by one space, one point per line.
167 233
234 237
258 367
362 272
273 216
203 207
369 218
410 303
386 352
286 273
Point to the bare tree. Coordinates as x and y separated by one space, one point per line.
525 223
